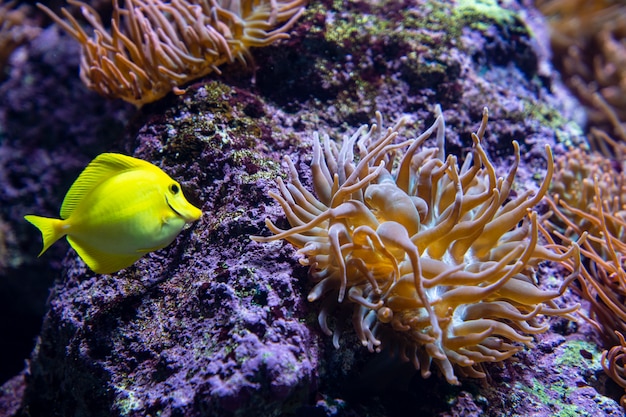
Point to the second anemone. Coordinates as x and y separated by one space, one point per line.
436 261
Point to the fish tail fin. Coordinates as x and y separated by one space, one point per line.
51 229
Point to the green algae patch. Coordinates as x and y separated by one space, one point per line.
480 14
216 115
434 24
255 166
553 397
568 132
579 354
356 29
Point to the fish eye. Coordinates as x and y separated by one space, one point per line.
174 189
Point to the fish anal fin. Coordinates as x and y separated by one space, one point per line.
103 167
102 262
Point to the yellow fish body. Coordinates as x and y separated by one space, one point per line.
119 209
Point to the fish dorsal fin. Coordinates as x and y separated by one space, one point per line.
103 167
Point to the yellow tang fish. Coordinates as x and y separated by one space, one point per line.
119 209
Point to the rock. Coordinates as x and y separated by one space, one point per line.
218 325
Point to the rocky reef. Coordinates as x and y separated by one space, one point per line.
219 325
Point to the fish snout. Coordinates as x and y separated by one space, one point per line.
184 209
193 213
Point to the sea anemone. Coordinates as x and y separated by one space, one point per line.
587 37
156 46
14 29
588 202
602 281
579 177
437 262
614 364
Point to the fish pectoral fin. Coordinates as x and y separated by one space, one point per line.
102 262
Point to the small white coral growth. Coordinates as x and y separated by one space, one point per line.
437 260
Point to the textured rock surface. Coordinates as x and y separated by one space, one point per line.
217 325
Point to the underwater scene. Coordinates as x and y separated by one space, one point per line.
331 208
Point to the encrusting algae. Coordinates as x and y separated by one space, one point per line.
119 209
436 261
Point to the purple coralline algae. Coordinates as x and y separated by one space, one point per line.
218 325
